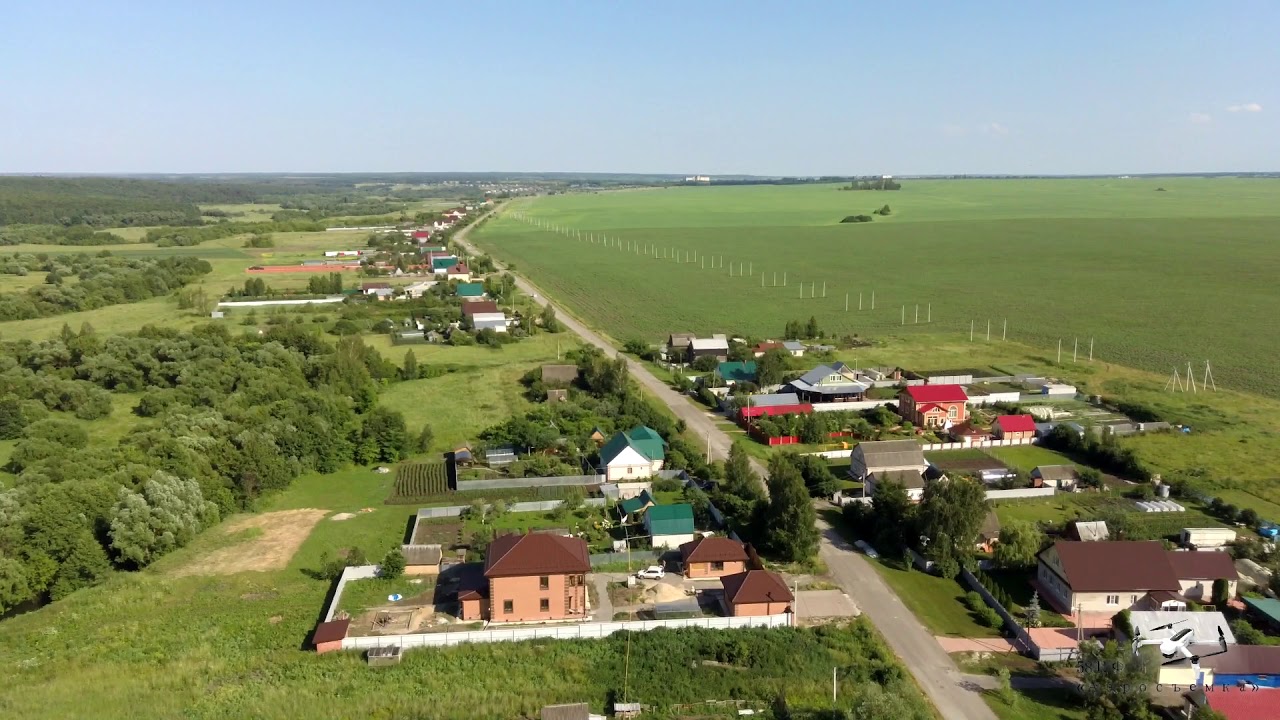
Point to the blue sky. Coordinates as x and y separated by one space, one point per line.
680 87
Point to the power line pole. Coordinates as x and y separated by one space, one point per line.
904 314
970 331
1074 347
916 321
1059 351
1090 349
1004 332
873 299
846 302
988 330
929 319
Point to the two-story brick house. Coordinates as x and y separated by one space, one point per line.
933 406
528 578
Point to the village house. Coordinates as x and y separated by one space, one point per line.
669 526
1014 427
559 375
1136 575
440 264
716 346
470 292
933 406
756 592
635 505
422 559
712 557
989 532
968 433
479 307
761 348
1062 477
900 461
459 272
794 348
529 578
829 383
631 454
736 372
1235 701
772 404
678 346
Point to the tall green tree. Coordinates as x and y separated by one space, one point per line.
951 513
386 430
166 514
771 367
1019 543
789 519
1114 681
409 370
893 517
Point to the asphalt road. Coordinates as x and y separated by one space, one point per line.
932 668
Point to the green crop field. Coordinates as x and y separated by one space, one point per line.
1156 278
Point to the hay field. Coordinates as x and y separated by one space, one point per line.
1157 277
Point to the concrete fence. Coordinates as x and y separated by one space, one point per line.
1011 396
351 572
428 513
851 406
1019 493
831 453
979 445
527 482
636 556
560 632
269 303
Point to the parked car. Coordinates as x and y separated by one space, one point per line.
653 572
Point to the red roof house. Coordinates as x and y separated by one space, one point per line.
1245 704
933 406
531 577
756 592
765 347
421 234
1014 427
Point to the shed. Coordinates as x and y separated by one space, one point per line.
670 526
329 635
1063 477
557 395
385 655
639 503
1265 608
1088 531
500 455
422 559
567 711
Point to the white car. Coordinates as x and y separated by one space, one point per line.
653 572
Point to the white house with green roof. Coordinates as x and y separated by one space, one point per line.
631 454
670 526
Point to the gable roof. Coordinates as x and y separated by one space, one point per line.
331 631
460 269
637 503
737 371
474 289
936 393
822 372
713 549
535 554
990 529
792 346
479 307
1016 423
1247 660
1244 704
1116 566
643 440
680 340
442 263
709 344
567 711
670 519
755 586
374 285
890 453
1089 530
767 346
1203 565
773 400
559 373
1055 472
422 554
909 479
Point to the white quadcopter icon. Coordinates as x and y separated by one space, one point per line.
1175 648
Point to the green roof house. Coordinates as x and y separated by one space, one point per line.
733 372
670 526
633 505
632 454
441 264
471 290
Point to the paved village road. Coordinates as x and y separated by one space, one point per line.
932 668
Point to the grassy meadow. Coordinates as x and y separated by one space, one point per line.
1156 277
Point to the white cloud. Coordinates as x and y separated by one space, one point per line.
1200 119
995 128
1246 107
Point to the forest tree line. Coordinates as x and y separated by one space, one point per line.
226 419
100 280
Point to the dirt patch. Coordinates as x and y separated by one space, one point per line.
275 619
282 533
342 516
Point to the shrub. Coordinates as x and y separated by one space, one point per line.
392 564
974 601
857 219
990 618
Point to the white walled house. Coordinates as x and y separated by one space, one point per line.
631 455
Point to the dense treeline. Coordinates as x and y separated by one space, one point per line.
184 236
109 202
57 235
227 420
102 280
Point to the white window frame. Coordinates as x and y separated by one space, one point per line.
1113 599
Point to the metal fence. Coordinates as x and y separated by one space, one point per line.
557 481
635 557
351 572
561 632
979 445
1010 622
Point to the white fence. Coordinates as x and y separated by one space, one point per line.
560 632
1020 493
268 303
851 406
351 572
1011 396
532 506
557 481
980 444
832 453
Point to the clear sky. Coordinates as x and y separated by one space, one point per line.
696 86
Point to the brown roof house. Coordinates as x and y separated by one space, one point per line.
530 578
559 375
479 307
1114 575
713 557
329 635
756 592
1062 477
989 532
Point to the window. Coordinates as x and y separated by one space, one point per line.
630 470
717 565
1113 599
951 411
573 581
508 607
1133 599
544 605
544 582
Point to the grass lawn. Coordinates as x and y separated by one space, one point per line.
359 595
1037 705
935 601
1028 457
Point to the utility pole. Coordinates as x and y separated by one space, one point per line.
784 278
751 268
970 331
846 302
859 300
988 330
929 319
904 314
873 299
1074 347
917 318
1005 332
1090 349
1059 351
824 288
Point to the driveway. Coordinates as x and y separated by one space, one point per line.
824 604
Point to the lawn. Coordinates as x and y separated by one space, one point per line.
1028 457
1037 705
359 595
935 601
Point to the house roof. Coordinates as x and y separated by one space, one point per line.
709 344
822 372
422 554
890 453
1203 565
767 346
927 408
936 393
792 345
910 479
680 339
1116 566
968 429
713 549
1016 423
374 285
331 631
517 555
990 529
1247 660
441 263
559 373
737 371
474 289
755 586
1245 704
490 323
567 711
460 269
773 400
479 306
1270 607
643 440
670 519
1090 530
1055 472
637 503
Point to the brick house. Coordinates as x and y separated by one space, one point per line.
756 592
709 557
933 406
528 578
1112 575
1014 427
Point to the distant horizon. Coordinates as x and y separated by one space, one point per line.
623 173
